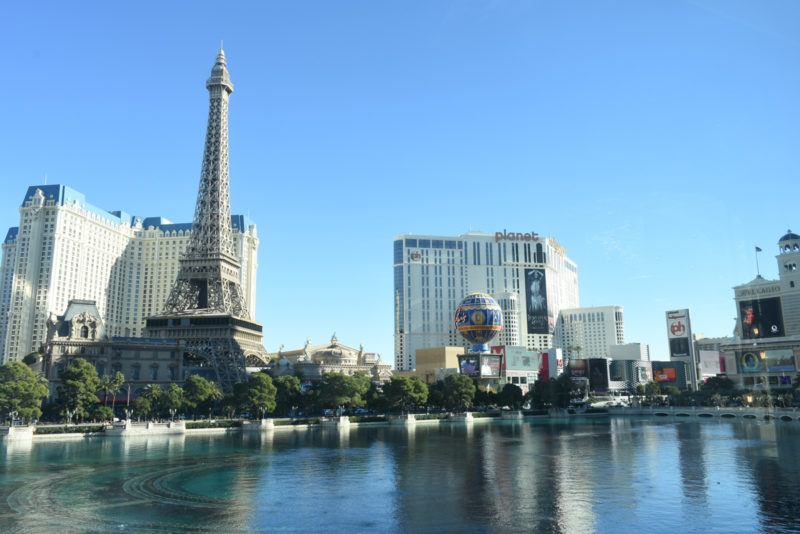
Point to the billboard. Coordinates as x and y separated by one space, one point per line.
761 318
665 374
536 301
490 366
642 375
577 367
750 362
727 363
598 374
779 361
679 333
710 363
480 365
469 364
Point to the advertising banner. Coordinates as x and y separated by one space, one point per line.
750 362
727 363
536 301
598 374
577 367
490 366
642 375
665 374
679 333
710 363
779 361
468 364
761 318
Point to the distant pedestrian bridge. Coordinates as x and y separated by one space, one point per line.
764 414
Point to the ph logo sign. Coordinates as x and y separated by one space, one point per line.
677 329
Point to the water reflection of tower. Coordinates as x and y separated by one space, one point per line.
691 460
774 470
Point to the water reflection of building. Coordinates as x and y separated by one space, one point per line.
774 471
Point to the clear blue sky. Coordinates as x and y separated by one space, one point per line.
657 141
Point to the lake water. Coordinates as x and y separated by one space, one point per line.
603 475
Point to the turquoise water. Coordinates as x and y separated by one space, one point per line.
584 475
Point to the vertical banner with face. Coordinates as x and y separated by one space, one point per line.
761 318
536 301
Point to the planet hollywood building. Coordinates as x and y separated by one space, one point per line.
530 276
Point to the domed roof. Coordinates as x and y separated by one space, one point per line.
789 237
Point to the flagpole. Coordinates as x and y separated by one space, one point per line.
758 271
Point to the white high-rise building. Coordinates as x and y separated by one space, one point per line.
432 274
509 303
66 248
590 332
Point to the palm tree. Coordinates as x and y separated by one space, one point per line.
119 380
215 395
152 392
107 386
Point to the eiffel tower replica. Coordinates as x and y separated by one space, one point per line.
206 309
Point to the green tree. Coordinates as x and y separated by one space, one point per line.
153 393
172 398
235 402
199 393
670 390
718 384
484 395
338 389
261 393
376 399
79 382
141 408
31 358
510 395
102 413
652 389
436 394
21 391
402 391
556 392
107 386
459 391
287 392
117 381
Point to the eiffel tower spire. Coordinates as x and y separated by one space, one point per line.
208 280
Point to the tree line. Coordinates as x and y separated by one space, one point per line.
83 395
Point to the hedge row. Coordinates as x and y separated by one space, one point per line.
82 429
213 424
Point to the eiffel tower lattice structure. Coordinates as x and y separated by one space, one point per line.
206 309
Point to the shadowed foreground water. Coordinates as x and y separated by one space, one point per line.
585 475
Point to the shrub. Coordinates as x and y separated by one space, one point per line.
68 429
212 424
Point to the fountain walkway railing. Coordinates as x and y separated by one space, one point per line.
740 412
